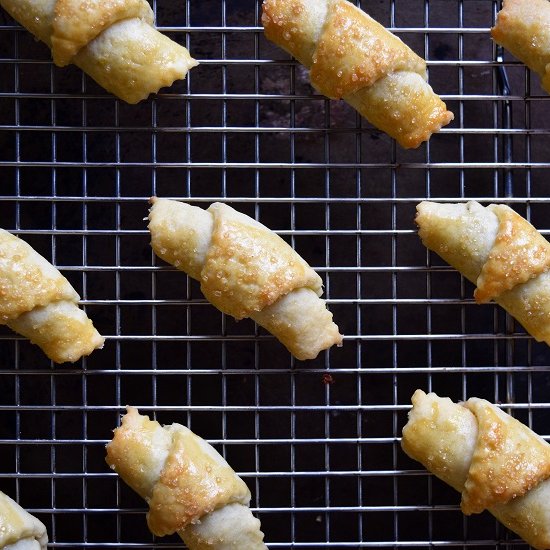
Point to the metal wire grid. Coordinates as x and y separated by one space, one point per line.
318 443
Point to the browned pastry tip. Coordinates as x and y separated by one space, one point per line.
519 253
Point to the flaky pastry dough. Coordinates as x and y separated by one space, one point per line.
39 303
189 487
246 270
114 41
496 462
499 251
352 57
523 28
18 529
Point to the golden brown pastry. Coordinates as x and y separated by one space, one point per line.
39 303
523 28
497 250
189 487
496 462
246 270
114 41
352 57
18 529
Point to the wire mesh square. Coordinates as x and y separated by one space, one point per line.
317 442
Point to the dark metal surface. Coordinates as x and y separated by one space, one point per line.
321 457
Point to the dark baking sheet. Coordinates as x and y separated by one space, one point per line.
321 456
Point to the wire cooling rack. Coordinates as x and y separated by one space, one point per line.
317 442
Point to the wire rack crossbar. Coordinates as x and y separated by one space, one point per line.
317 443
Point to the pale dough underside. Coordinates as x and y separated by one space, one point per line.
18 529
